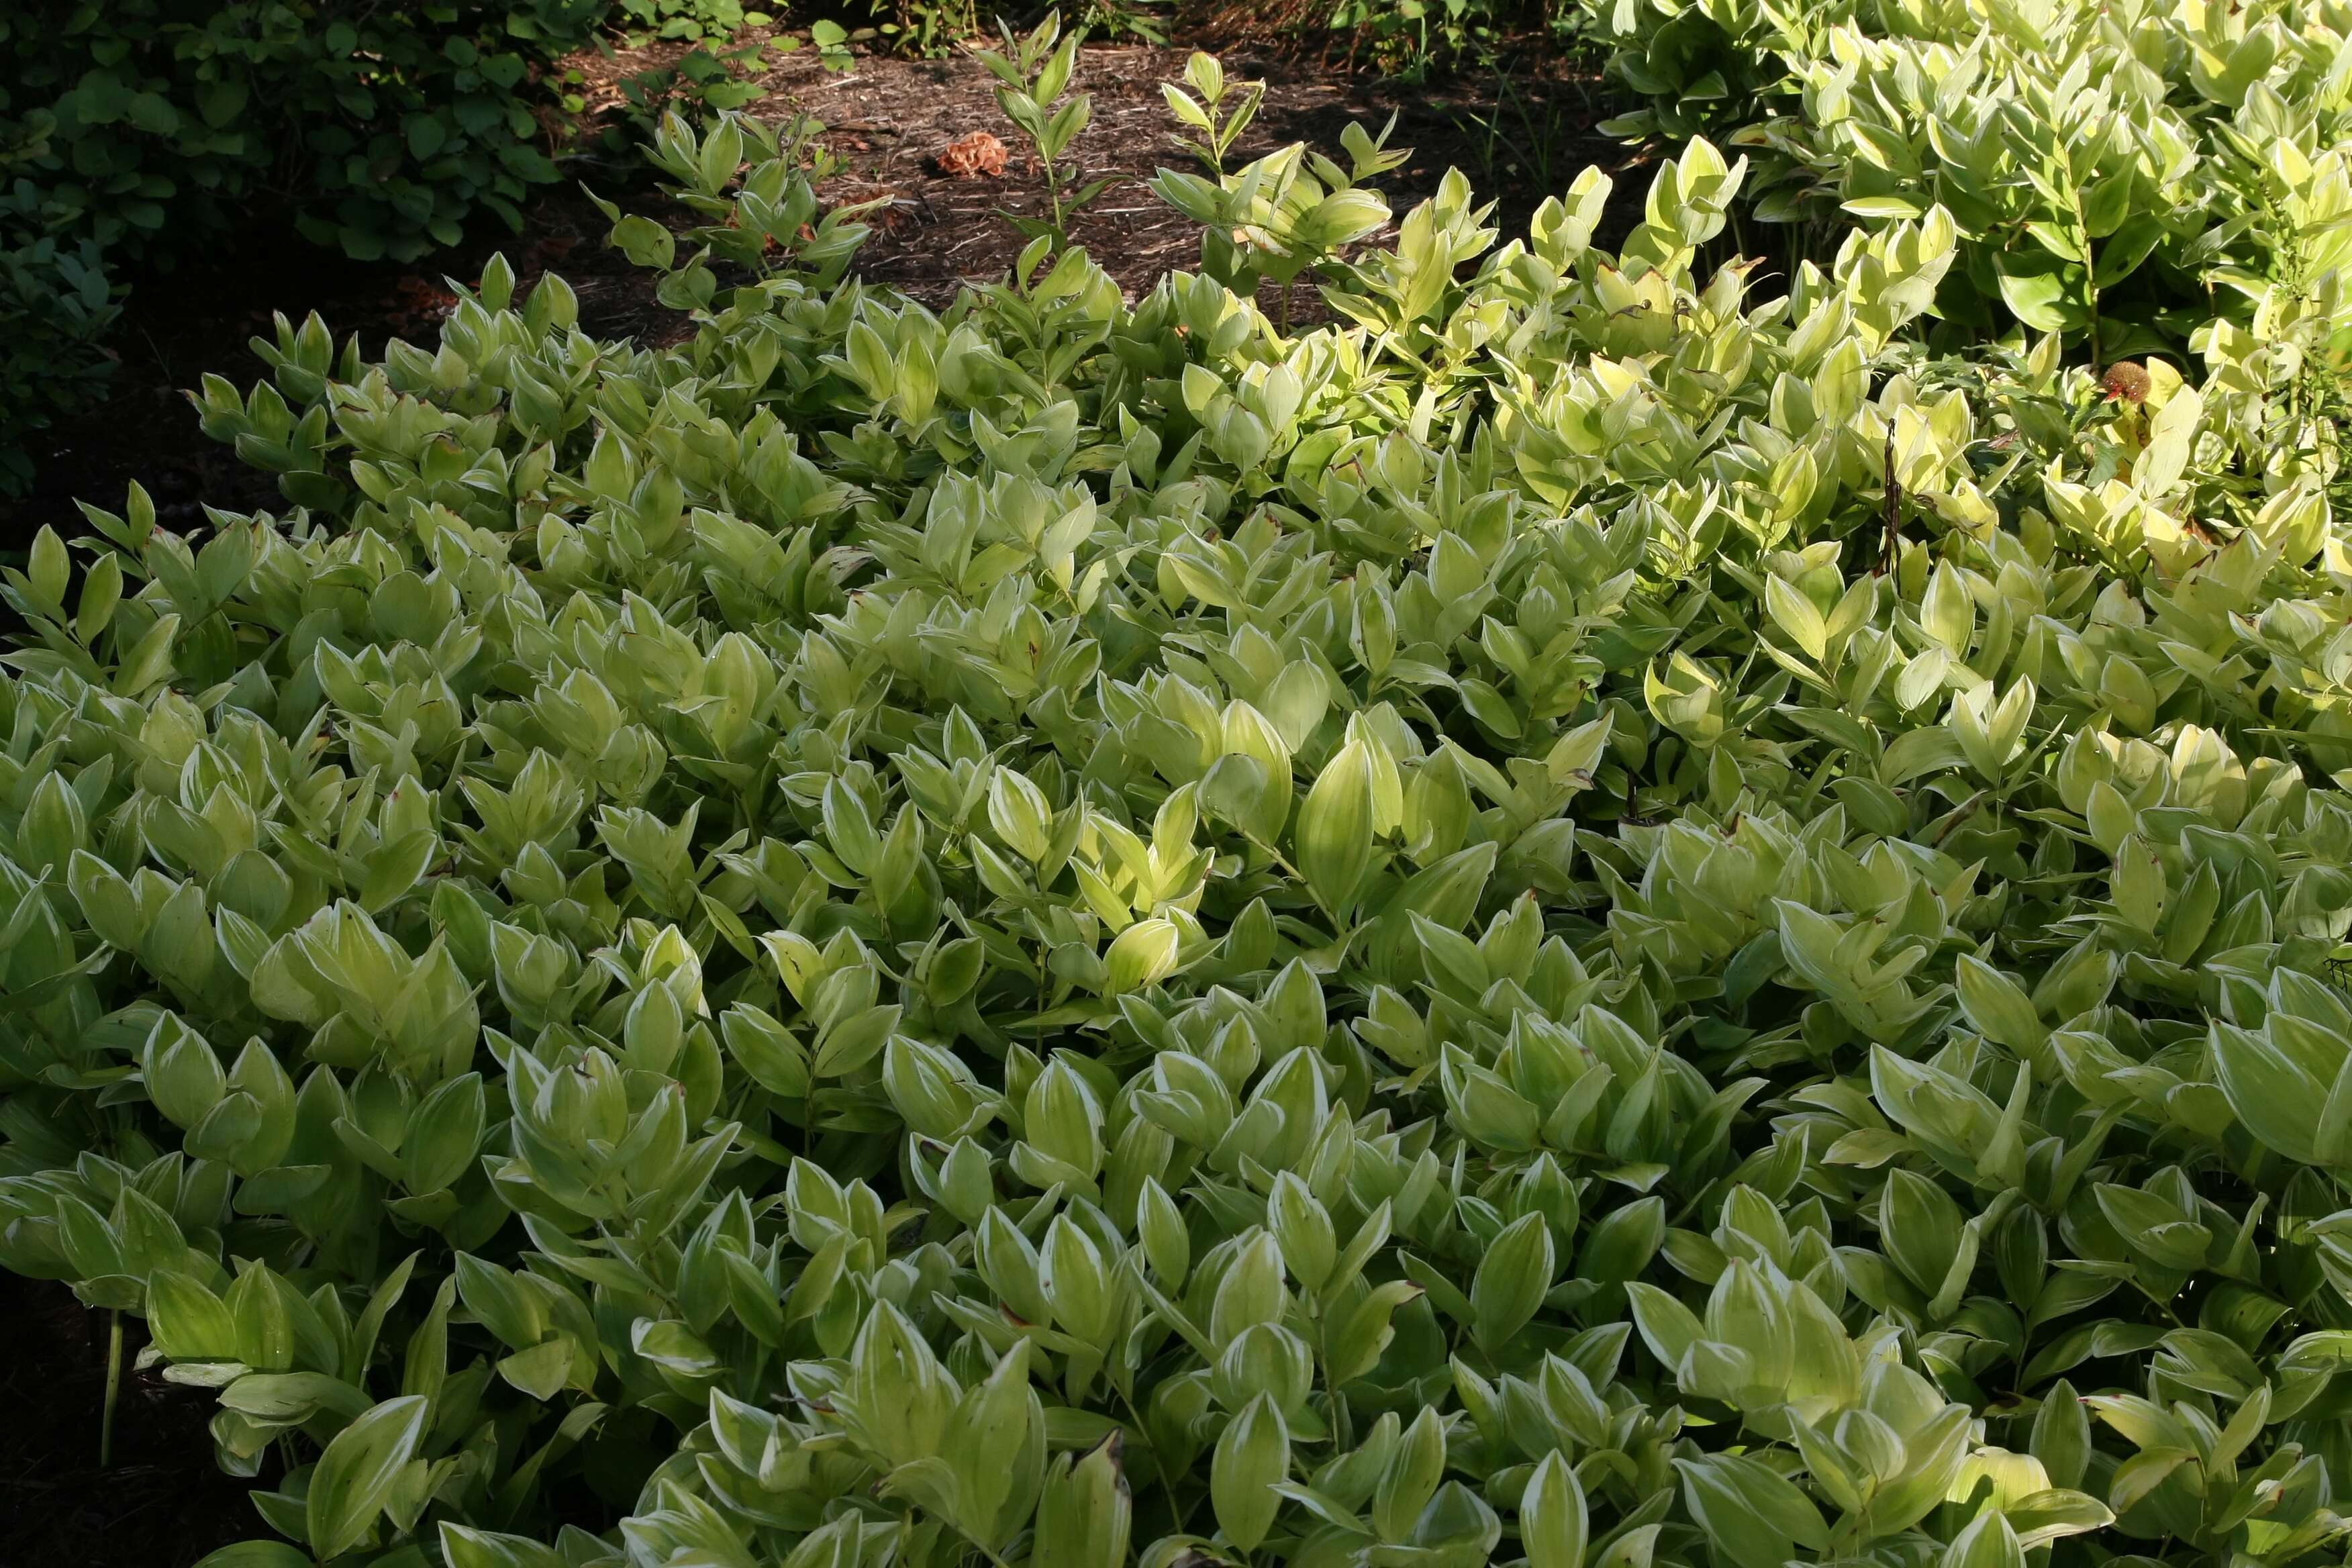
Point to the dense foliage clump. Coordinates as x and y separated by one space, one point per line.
1601 915
56 306
2140 175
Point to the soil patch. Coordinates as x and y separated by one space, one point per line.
1518 139
163 1503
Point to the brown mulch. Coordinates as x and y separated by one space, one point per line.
888 121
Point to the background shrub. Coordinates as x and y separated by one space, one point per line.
165 123
135 134
54 309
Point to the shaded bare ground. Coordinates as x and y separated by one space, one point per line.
160 1503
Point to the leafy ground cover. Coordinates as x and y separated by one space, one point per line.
886 122
1591 905
147 136
2144 178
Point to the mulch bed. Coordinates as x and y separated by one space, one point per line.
889 119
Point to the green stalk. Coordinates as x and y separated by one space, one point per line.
113 1389
1053 194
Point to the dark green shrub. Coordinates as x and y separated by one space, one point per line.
382 126
55 306
694 19
144 131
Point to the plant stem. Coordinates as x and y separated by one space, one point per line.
1894 505
1343 1423
113 1389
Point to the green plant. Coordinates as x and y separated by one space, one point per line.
727 80
137 132
699 21
1129 18
1596 918
1706 66
1034 72
55 309
2110 166
1216 124
832 41
754 183
930 28
55 304
386 127
1282 216
1515 137
1411 38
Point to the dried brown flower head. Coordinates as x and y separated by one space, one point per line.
975 155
